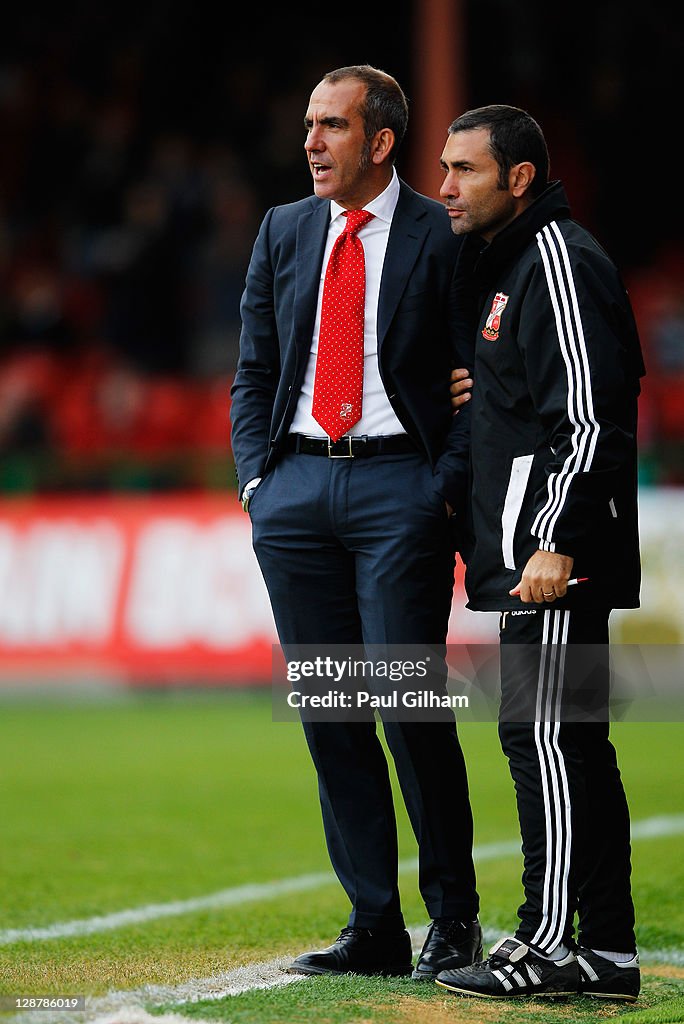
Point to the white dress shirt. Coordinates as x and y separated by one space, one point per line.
377 415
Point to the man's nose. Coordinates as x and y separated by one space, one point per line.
448 188
313 140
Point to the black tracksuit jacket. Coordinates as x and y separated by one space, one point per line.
554 411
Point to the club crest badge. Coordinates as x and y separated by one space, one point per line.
490 331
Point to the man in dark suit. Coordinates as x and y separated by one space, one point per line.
351 515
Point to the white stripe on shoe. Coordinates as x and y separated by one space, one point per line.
587 968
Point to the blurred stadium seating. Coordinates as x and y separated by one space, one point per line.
141 149
131 200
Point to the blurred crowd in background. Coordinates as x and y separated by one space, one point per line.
141 150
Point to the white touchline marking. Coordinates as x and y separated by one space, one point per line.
153 911
649 828
121 1007
136 1015
217 900
128 1006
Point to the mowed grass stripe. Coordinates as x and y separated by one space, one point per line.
236 896
649 828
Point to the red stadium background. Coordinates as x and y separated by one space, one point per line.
142 149
141 590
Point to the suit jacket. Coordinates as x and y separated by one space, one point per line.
420 334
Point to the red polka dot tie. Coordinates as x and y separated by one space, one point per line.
338 384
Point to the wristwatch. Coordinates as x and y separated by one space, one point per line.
249 490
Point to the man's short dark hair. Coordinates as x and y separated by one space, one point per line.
384 106
514 137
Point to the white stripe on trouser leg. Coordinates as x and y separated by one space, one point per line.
555 790
566 852
544 655
551 684
554 780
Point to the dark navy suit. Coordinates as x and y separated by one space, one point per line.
361 551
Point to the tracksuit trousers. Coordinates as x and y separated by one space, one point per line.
574 818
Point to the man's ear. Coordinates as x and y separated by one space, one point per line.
520 178
382 144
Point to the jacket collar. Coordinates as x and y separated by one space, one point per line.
407 234
551 205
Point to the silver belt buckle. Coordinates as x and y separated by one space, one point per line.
347 455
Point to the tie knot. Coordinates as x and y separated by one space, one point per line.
356 219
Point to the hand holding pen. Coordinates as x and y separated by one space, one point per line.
551 595
546 578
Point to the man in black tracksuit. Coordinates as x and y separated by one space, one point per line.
554 504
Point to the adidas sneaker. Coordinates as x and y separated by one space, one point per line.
514 969
605 979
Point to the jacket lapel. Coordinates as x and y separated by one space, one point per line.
407 236
312 229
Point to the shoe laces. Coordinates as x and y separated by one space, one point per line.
449 928
489 964
350 931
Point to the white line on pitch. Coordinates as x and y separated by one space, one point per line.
128 1006
649 828
214 901
267 974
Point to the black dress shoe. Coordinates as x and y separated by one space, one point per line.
449 944
359 951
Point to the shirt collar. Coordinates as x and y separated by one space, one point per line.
382 206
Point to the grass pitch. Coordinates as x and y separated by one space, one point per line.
150 799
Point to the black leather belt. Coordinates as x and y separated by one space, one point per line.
351 447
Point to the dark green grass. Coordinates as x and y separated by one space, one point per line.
107 807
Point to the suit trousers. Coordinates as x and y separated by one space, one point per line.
359 551
574 818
